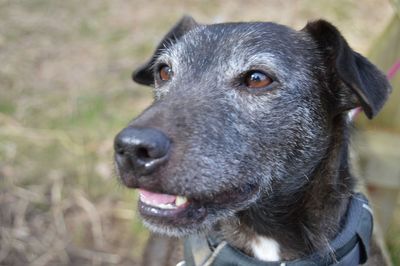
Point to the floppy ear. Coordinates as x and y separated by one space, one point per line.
362 84
144 74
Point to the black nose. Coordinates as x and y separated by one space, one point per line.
141 150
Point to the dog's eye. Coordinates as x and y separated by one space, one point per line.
257 79
165 72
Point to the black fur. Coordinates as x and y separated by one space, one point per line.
354 70
272 161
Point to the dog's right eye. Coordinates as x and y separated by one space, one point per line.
165 72
257 79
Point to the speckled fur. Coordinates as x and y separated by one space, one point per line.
273 162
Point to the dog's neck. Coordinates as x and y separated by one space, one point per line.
292 225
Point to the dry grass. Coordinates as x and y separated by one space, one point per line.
65 92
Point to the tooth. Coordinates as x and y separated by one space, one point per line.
166 206
180 200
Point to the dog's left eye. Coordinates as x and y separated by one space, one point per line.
165 72
257 79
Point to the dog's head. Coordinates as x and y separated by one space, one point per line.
238 108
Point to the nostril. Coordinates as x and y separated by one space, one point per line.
143 153
119 149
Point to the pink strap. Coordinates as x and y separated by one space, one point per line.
393 70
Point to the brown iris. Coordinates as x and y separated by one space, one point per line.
257 79
165 72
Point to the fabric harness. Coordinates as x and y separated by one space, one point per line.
350 247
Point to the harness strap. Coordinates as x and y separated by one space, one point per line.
350 247
197 250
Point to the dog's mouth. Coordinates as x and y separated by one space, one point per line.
161 204
177 214
167 209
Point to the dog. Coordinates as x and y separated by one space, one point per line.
247 143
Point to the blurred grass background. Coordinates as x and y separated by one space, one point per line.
66 90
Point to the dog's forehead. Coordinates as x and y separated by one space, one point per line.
232 47
241 35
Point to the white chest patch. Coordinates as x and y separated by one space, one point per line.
265 248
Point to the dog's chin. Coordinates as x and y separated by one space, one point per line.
192 217
197 227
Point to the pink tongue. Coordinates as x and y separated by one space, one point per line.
156 198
